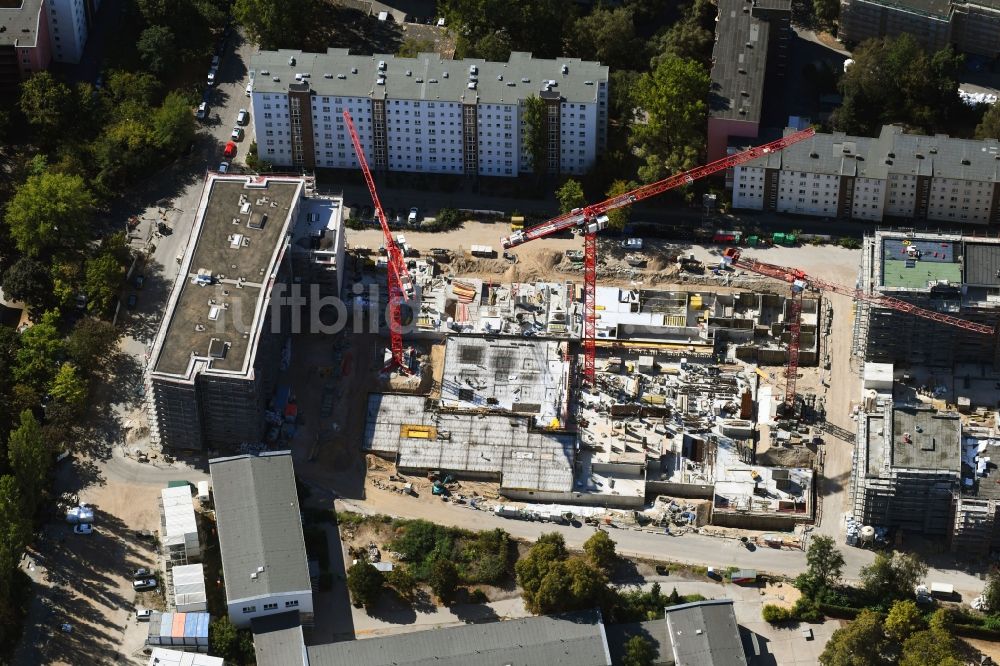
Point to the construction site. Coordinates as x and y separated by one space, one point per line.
927 424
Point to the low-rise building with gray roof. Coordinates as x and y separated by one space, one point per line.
260 537
426 114
705 633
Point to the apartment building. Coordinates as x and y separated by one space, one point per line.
212 365
751 44
894 175
24 42
69 23
426 114
261 543
972 26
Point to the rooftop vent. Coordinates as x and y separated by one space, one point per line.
933 150
814 155
418 80
525 80
744 93
749 45
889 162
432 80
276 78
341 76
409 73
588 83
354 70
217 348
291 61
499 77
472 85
381 65
328 75
473 69
743 112
741 70
264 72
565 69
919 156
511 84
381 81
444 74
892 154
966 162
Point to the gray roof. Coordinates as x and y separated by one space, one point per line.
938 8
228 251
704 633
892 152
575 639
20 24
935 439
738 68
427 76
257 511
278 641
982 264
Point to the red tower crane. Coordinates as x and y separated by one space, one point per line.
397 277
800 281
591 219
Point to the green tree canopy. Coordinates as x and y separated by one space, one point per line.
607 36
569 585
861 643
413 46
618 218
402 580
444 581
224 638
157 48
674 98
29 458
570 196
904 620
825 565
826 11
69 391
47 103
989 128
27 280
91 343
536 135
601 551
173 124
39 352
50 211
932 647
275 23
690 38
103 279
365 583
892 577
491 29
638 652
894 80
991 593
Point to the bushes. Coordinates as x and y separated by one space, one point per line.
775 614
480 557
842 612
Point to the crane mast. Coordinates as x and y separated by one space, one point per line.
398 279
588 220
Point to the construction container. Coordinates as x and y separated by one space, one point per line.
187 631
204 494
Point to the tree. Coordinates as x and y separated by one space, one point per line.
28 280
892 577
989 128
618 218
536 135
46 103
91 343
933 646
774 614
365 584
103 279
173 124
904 620
638 652
38 354
492 28
570 196
157 48
607 36
861 643
690 38
991 593
444 581
601 551
275 23
824 566
569 585
894 80
674 97
402 580
224 638
413 46
50 211
531 569
69 390
826 11
29 458
15 532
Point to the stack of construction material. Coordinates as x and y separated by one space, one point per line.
464 292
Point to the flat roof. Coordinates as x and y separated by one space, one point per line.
238 240
425 437
935 439
524 376
739 60
189 584
260 529
19 23
936 8
574 639
982 264
178 514
278 640
936 261
427 76
164 657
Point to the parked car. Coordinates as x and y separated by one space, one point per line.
139 281
202 111
142 614
210 79
230 150
215 62
144 584
249 88
224 167
146 535
141 573
130 303
412 217
243 117
237 134
632 243
83 528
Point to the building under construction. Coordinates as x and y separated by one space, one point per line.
946 273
